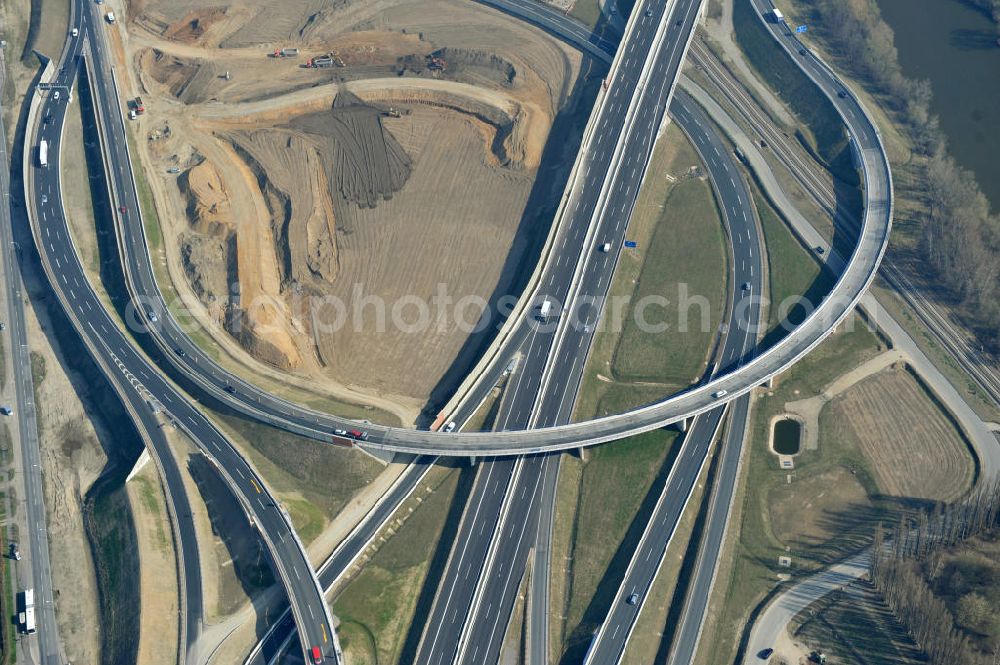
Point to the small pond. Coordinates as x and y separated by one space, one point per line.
787 436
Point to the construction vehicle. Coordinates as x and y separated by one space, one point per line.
393 112
110 17
287 52
331 59
435 63
139 108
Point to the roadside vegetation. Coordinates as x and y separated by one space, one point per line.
603 505
792 272
681 252
315 479
377 606
939 575
947 222
824 134
750 567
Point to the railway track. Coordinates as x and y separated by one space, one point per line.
817 183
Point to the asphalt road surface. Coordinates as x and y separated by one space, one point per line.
257 403
34 543
471 612
740 335
145 386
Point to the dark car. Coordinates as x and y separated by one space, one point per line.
820 250
842 94
679 23
122 209
764 654
802 51
179 351
230 390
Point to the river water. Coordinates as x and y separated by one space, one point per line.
954 46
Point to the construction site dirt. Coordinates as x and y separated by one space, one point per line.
380 148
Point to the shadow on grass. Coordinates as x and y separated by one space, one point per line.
439 561
580 637
564 139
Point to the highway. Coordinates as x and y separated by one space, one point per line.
689 630
746 287
35 542
259 404
146 388
471 612
516 442
274 644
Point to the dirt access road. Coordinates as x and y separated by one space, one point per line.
274 209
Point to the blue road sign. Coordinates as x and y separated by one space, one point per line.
630 243
802 28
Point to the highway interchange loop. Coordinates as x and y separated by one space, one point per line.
853 281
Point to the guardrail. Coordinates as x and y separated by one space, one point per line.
27 176
843 298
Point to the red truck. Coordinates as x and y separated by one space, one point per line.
317 656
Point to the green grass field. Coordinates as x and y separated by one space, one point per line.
792 272
379 604
613 501
677 228
687 254
825 134
846 511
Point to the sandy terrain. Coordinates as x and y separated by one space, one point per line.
72 459
158 581
383 177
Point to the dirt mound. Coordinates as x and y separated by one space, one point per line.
260 329
368 164
292 178
209 209
172 72
205 260
192 28
477 67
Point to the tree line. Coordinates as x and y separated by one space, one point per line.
959 238
903 560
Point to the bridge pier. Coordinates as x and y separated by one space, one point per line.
769 384
139 463
473 460
682 425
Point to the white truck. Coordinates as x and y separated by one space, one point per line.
777 16
43 153
545 310
110 17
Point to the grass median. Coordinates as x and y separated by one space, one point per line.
680 255
377 607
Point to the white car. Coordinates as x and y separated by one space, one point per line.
720 393
340 432
75 32
450 427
